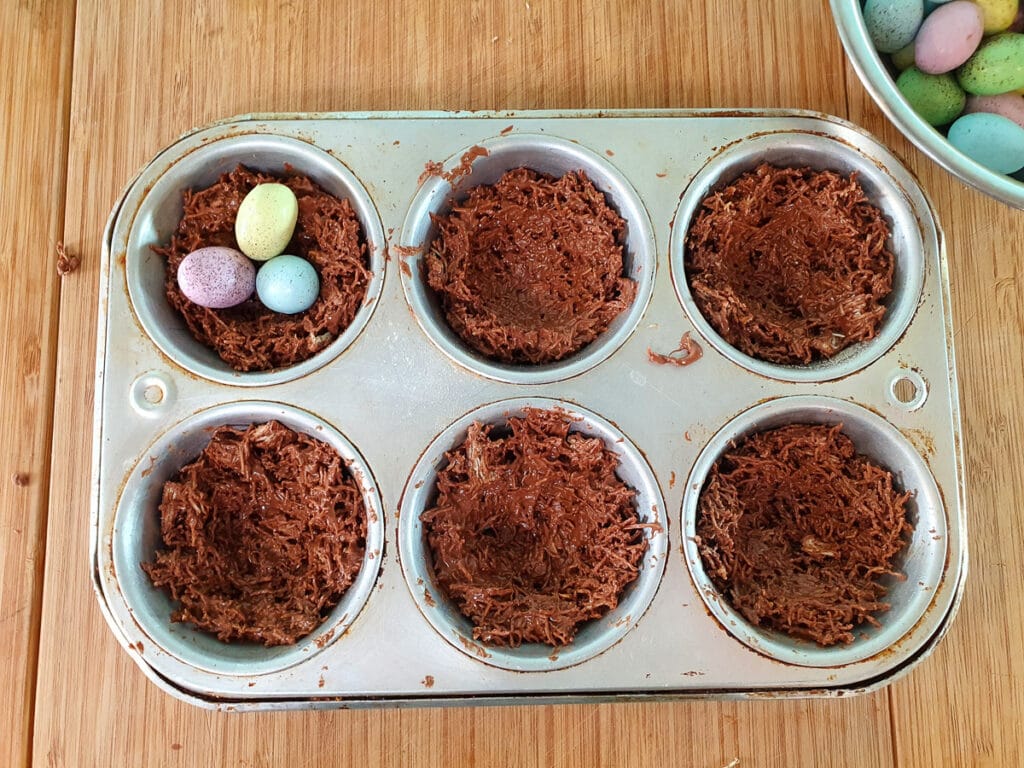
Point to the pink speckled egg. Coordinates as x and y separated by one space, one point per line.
1009 105
948 37
216 277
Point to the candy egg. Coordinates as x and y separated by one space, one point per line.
892 23
216 277
266 221
999 14
936 98
1018 22
992 140
948 37
1009 105
287 284
904 57
996 67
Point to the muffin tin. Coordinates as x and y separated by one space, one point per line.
398 389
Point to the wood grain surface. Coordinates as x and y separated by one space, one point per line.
34 93
106 84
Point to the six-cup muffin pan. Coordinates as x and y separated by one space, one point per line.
398 389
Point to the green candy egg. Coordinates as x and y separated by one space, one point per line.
904 57
996 67
936 98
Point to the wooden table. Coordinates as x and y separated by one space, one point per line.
91 91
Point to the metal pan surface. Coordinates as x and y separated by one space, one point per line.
397 387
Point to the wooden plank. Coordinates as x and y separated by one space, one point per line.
963 706
33 148
212 60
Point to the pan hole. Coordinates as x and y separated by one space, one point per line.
151 393
908 390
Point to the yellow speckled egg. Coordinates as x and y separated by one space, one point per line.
999 14
266 221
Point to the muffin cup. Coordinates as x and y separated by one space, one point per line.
544 154
594 636
923 561
136 537
791 149
161 210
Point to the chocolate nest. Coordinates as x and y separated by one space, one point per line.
797 531
532 533
530 269
251 337
790 265
262 535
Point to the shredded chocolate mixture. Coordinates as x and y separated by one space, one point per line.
263 534
532 533
529 269
251 337
790 265
796 530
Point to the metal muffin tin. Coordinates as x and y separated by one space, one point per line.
394 394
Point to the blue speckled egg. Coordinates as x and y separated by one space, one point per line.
992 140
892 24
287 284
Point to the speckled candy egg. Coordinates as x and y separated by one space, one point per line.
287 284
216 277
266 221
992 140
996 67
1009 105
936 98
892 23
999 14
904 57
948 37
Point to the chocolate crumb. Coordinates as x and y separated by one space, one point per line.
66 263
431 168
428 681
465 166
688 352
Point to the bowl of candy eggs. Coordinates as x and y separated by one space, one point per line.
950 75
